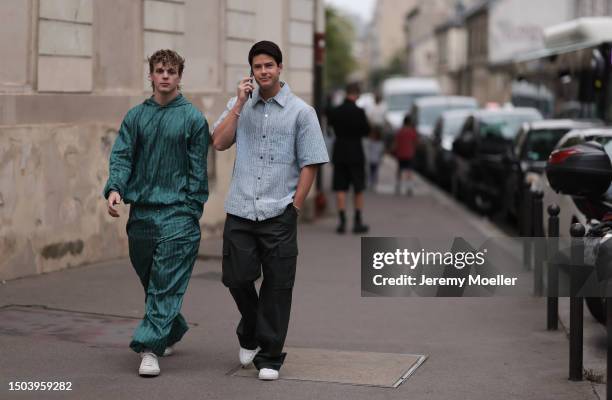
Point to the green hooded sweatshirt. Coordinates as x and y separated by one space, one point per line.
159 156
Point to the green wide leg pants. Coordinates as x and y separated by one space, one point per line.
163 243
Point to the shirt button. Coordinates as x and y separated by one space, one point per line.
266 115
261 157
259 177
264 136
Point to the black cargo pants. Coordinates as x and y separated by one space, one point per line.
248 248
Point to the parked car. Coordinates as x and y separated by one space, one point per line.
425 112
527 159
480 149
447 128
572 208
400 92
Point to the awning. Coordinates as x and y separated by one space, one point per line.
537 54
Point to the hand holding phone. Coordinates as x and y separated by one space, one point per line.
244 89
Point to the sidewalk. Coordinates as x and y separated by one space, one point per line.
477 348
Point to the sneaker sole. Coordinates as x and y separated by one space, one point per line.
148 373
268 379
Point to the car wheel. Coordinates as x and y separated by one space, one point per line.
455 187
480 203
504 203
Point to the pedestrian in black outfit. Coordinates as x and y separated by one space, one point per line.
350 125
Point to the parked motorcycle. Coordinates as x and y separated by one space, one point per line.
584 172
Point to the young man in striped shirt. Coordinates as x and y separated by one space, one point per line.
279 145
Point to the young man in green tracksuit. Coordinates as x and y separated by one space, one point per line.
158 166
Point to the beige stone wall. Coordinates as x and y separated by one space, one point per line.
452 58
424 58
65 46
74 69
420 36
488 85
457 44
251 21
388 29
52 216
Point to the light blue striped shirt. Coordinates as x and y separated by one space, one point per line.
275 139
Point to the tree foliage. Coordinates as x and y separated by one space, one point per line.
339 60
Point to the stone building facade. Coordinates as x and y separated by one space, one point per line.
71 70
386 34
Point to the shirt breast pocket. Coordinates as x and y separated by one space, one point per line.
283 148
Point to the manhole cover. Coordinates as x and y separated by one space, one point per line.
41 322
348 367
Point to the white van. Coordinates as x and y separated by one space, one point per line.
399 93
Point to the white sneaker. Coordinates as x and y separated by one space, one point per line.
246 356
268 374
168 351
149 365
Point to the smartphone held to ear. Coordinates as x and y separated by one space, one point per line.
251 91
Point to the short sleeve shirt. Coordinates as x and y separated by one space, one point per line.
275 139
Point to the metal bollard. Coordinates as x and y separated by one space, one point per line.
538 244
526 230
522 208
552 302
576 305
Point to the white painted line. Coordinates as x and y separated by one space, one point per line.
414 367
